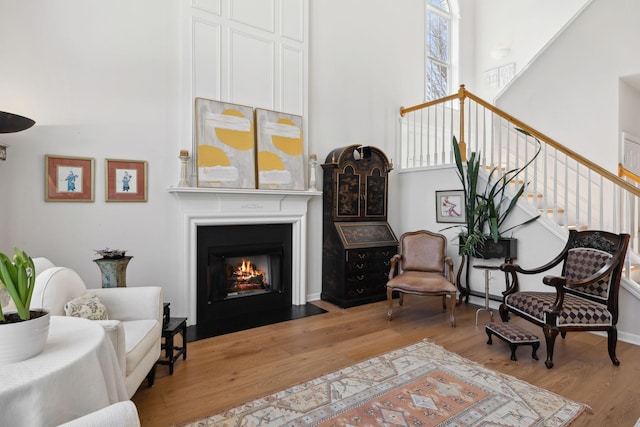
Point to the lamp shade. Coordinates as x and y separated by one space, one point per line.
10 123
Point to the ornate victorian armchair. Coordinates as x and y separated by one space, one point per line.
422 269
586 292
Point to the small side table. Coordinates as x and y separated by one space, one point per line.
487 269
174 326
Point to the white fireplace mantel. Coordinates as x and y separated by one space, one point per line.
224 206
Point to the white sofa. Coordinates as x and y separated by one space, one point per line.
135 317
121 414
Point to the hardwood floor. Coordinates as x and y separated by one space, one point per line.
227 370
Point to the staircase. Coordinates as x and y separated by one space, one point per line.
566 189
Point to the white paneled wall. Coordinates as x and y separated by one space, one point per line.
250 52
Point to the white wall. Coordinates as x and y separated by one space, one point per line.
524 27
571 90
101 80
629 106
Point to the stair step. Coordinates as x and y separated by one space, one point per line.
578 227
551 210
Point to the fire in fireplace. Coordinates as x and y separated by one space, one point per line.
243 269
244 277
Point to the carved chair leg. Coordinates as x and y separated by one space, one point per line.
452 309
612 333
444 303
401 299
504 313
390 301
550 334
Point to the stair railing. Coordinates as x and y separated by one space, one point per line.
567 188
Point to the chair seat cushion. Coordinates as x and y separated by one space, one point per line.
140 337
421 282
576 311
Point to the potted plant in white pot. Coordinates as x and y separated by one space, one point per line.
23 333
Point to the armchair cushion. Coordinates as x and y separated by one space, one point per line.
421 282
87 306
576 310
582 263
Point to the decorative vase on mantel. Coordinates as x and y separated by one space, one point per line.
113 266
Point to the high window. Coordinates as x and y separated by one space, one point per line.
438 46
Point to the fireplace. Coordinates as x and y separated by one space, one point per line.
204 207
243 270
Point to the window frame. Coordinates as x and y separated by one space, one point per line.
452 49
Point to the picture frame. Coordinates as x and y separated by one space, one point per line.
280 150
450 206
69 178
225 145
125 180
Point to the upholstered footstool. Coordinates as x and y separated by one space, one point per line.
513 335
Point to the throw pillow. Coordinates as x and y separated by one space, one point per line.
88 306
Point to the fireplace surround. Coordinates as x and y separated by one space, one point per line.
203 207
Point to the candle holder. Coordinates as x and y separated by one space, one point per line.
313 161
184 158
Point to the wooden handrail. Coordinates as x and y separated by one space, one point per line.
622 171
463 93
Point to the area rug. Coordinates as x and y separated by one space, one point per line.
419 385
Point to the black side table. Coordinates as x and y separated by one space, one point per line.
174 326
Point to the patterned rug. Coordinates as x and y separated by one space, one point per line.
419 385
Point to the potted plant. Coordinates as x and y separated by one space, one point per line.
486 209
23 333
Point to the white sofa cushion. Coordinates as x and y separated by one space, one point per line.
140 337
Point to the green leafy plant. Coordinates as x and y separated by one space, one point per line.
18 277
487 209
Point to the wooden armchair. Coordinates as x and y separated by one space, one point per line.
422 269
586 292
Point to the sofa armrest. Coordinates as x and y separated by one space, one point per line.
114 330
136 303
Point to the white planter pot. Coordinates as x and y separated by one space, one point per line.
23 340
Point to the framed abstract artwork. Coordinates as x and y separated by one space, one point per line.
280 146
450 206
225 144
68 179
126 180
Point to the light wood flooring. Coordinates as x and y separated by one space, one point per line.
227 370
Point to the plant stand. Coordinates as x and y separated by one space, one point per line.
114 271
506 248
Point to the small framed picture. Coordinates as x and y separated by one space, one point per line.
68 179
126 180
450 206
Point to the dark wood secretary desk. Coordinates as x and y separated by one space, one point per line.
357 243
